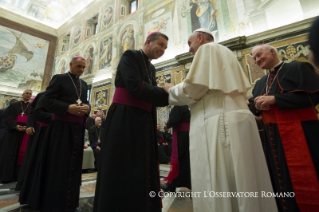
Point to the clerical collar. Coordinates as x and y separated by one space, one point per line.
276 67
72 75
145 56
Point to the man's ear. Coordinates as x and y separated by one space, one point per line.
201 38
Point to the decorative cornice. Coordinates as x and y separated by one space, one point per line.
235 43
184 58
280 33
102 82
166 63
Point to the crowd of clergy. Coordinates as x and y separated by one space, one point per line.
211 140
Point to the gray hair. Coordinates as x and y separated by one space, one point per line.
97 118
75 58
208 37
265 47
27 90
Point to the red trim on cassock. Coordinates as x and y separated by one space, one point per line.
299 161
174 170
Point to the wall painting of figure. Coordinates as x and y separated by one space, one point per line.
22 59
127 39
105 53
203 15
89 59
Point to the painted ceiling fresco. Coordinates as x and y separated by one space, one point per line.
53 13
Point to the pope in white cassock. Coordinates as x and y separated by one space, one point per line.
225 148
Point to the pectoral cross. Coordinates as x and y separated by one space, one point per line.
22 113
79 101
99 141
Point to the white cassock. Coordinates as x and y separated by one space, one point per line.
225 148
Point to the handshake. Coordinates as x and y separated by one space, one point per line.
167 86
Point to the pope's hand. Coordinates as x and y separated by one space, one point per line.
167 86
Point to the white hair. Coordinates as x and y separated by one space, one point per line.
97 118
266 47
27 90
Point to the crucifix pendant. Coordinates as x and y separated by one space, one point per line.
99 141
22 113
79 101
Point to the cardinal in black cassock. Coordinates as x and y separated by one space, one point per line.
58 176
286 98
15 140
129 165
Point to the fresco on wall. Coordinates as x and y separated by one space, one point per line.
22 59
107 17
166 18
89 59
6 100
127 39
77 31
62 67
203 15
105 53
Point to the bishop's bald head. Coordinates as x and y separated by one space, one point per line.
77 65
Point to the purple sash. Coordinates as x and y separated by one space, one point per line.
22 119
121 96
70 118
174 171
42 124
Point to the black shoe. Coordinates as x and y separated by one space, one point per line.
168 188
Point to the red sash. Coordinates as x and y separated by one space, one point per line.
22 119
174 170
301 168
121 96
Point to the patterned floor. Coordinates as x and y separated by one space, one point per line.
9 197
